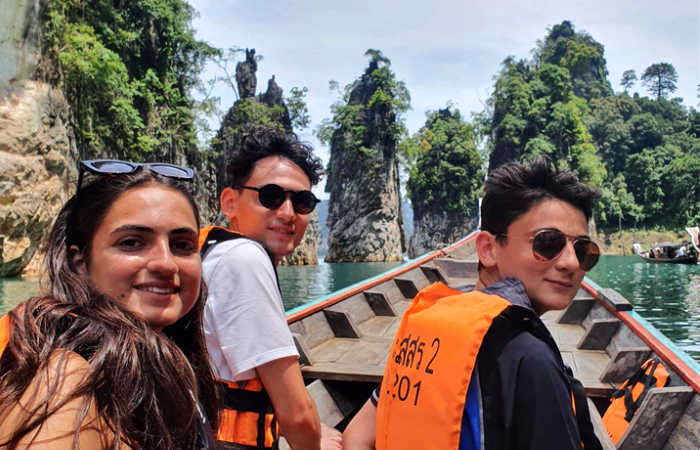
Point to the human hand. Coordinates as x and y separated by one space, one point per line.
331 439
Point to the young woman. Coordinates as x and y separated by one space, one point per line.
113 355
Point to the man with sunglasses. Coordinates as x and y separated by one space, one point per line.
250 345
533 252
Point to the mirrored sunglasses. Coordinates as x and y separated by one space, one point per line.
548 244
272 196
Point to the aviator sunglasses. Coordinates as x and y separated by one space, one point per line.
117 167
548 243
272 196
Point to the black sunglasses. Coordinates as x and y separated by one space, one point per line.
272 196
548 243
117 167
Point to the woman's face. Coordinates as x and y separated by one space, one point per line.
144 254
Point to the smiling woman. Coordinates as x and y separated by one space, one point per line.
113 354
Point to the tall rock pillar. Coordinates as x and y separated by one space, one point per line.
364 219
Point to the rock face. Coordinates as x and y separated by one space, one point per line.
307 251
37 151
432 231
245 75
19 40
364 218
38 160
249 110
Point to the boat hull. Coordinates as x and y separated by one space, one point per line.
344 340
687 259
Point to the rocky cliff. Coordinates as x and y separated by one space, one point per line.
307 251
37 150
364 219
267 108
433 231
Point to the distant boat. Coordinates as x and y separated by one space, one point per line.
668 252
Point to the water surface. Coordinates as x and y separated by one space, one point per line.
667 295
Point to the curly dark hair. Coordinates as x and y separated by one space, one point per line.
260 142
144 383
513 189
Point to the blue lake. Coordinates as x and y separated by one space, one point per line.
667 295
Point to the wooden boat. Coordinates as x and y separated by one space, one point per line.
668 253
344 340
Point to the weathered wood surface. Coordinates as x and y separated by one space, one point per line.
656 418
686 436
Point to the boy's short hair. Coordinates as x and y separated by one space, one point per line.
513 189
260 142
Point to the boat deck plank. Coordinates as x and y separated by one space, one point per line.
379 326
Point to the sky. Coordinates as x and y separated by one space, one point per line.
444 50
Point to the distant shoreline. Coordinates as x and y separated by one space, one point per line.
620 243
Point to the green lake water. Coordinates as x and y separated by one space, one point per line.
667 295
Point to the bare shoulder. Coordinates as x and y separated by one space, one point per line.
53 388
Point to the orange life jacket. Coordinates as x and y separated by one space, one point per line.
627 399
430 364
430 367
247 420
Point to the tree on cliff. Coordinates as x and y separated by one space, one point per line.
628 79
660 79
444 182
388 94
447 173
581 55
536 112
127 69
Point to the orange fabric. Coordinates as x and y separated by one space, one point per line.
5 328
430 364
241 427
204 232
614 417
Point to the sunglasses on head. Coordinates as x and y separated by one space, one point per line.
548 244
117 167
272 196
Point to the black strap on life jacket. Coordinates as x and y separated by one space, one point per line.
218 235
647 380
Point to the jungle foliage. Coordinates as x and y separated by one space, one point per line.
377 91
447 173
642 153
127 68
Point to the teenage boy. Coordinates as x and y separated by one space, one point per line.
250 345
495 378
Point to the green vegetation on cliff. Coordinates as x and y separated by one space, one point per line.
127 69
642 153
447 173
376 92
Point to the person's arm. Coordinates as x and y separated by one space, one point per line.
360 432
58 430
295 411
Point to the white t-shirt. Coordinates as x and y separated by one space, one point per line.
244 320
